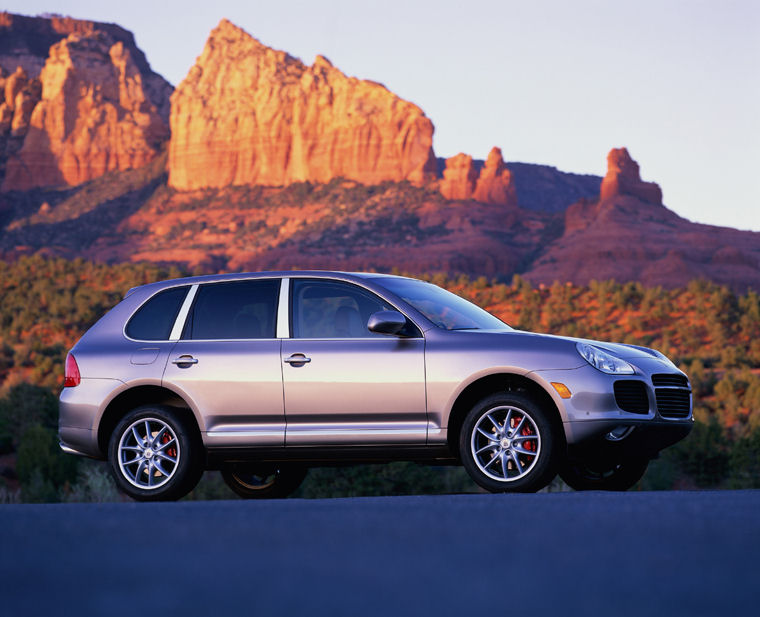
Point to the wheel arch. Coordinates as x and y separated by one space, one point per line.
135 396
493 384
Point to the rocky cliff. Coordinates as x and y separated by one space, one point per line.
248 114
86 105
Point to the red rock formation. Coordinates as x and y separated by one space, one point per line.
26 41
459 177
623 179
493 185
248 114
95 116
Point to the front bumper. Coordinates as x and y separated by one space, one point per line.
592 412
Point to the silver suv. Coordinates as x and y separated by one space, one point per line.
264 375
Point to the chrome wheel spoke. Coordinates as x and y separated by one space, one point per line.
489 436
504 466
495 423
489 463
521 450
161 469
134 460
156 439
138 439
519 425
165 457
490 446
517 464
163 446
148 434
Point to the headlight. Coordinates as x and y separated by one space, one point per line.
603 361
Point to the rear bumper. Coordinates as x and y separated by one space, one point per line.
79 412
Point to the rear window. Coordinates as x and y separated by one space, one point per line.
154 320
235 310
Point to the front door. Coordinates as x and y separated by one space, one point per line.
343 384
228 363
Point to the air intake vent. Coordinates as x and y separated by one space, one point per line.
673 403
631 396
670 381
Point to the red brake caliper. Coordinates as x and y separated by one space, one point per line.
528 444
171 451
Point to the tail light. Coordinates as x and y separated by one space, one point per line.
71 374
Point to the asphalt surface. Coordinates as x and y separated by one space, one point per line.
638 553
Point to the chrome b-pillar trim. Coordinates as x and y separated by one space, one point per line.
283 310
179 323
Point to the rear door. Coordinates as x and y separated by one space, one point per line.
228 362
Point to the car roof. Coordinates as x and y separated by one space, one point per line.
234 276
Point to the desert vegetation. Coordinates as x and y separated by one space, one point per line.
709 331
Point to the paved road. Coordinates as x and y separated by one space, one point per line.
642 554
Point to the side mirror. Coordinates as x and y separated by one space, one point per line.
386 322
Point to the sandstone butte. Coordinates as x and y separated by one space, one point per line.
249 114
623 179
492 185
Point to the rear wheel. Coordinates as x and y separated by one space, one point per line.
256 481
154 454
508 444
604 475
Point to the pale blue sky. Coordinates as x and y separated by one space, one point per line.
554 82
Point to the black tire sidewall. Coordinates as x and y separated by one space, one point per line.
287 480
544 469
189 468
624 478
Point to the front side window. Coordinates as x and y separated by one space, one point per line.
445 309
330 309
234 310
154 320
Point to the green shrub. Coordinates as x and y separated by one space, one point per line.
25 405
41 464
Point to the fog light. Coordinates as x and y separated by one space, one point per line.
562 389
618 433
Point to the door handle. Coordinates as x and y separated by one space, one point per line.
185 360
297 358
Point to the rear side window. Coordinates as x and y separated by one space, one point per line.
154 320
235 310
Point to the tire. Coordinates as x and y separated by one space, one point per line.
488 450
164 470
251 481
607 476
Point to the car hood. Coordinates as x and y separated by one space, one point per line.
620 350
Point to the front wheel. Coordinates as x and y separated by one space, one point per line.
251 481
604 476
155 454
508 444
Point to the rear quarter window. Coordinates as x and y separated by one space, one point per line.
154 320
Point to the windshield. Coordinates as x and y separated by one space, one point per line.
445 309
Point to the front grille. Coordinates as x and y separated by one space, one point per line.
670 380
673 403
631 396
